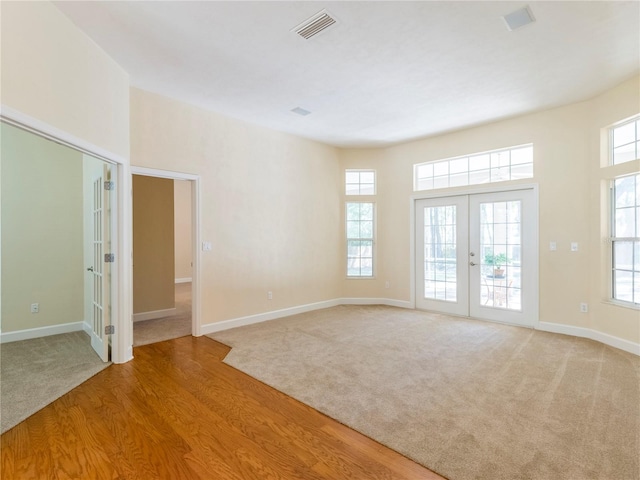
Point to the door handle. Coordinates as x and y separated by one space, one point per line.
90 269
472 264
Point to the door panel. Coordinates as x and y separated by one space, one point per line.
441 270
100 271
476 255
502 235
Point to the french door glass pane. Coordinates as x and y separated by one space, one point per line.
500 258
440 280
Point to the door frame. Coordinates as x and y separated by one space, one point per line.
196 288
474 191
121 350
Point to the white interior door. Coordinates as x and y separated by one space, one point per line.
476 256
100 270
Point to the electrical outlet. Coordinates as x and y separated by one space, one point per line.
35 307
584 308
269 295
206 246
574 246
552 246
387 284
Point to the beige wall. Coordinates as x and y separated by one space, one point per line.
153 245
42 251
611 107
53 72
566 157
182 226
269 205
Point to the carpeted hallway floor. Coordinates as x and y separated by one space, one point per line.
160 329
467 399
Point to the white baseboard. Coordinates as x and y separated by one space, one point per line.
183 280
138 317
605 338
601 337
263 317
375 301
287 312
87 328
29 333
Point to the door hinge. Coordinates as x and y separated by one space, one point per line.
109 257
109 329
109 185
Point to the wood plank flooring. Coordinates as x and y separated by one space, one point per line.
177 412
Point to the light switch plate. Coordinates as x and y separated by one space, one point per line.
574 246
552 246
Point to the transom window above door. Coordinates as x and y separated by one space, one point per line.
511 163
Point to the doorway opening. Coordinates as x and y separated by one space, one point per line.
165 257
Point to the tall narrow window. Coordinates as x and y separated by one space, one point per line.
360 230
625 239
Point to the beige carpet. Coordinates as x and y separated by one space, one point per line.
467 399
175 326
34 373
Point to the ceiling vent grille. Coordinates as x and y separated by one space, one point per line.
314 25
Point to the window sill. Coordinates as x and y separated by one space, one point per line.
618 303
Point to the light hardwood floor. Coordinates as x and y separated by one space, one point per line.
177 412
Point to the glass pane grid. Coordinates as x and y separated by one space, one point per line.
440 261
625 142
359 232
626 239
360 182
496 166
500 247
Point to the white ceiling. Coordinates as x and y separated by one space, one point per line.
387 72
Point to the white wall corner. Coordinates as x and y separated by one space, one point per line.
86 326
376 301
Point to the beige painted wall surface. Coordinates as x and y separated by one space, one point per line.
153 245
42 238
611 107
269 205
53 72
564 156
182 226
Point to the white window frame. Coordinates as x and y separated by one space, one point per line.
372 239
633 120
613 239
451 172
359 184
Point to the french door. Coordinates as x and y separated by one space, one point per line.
100 270
476 255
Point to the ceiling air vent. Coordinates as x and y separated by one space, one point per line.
519 18
314 25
